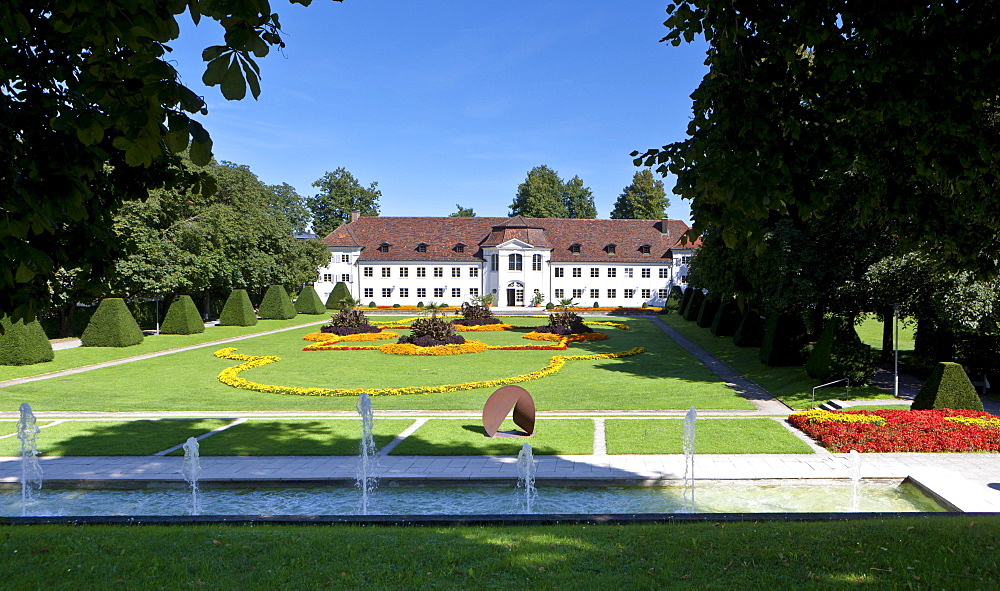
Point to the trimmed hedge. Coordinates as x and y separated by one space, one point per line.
238 310
694 305
839 353
784 339
112 325
308 301
750 331
947 387
276 304
182 317
706 314
340 292
23 344
727 319
685 299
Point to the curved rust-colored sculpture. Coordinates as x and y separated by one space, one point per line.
500 403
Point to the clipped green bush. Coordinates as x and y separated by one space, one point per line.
694 305
685 300
238 310
23 344
784 340
371 304
112 325
276 304
709 306
947 387
750 332
839 353
727 319
182 317
338 295
308 301
550 306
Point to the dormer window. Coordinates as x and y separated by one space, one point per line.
421 247
610 249
384 247
644 249
459 247
574 248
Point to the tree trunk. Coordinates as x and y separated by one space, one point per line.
207 306
66 320
888 323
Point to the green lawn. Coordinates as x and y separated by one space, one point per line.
712 436
792 385
890 553
113 438
466 437
339 437
870 331
664 377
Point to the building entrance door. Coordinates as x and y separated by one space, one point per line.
511 295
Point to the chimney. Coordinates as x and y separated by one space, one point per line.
355 215
665 227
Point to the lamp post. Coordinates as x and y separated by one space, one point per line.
895 316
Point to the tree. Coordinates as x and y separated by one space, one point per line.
578 200
290 205
94 114
340 193
540 195
463 212
801 92
644 199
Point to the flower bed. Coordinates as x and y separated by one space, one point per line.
572 338
408 349
483 327
901 430
332 340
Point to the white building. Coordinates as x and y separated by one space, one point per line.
408 260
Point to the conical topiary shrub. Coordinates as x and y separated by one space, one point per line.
727 319
947 387
238 310
308 301
112 325
709 307
784 339
840 353
685 300
750 332
276 304
339 293
694 305
23 344
182 317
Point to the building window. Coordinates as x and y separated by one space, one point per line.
383 247
644 249
346 277
386 272
595 272
473 292
439 271
595 293
459 248
686 260
629 294
456 271
664 273
536 262
421 247
645 274
574 248
646 294
386 292
612 272
369 292
514 262
473 271
456 292
404 271
663 293
577 293
494 262
577 272
421 271
519 296
612 294
684 278
345 258
369 272
560 294
404 292
559 272
328 277
439 292
610 249
421 292
628 272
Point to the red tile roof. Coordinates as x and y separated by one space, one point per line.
442 235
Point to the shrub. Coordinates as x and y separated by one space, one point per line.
395 305
238 310
476 315
947 387
182 317
563 323
349 321
645 305
596 305
784 339
23 344
839 353
550 306
308 301
709 307
276 304
750 331
685 299
727 319
694 305
112 325
431 332
371 304
420 304
338 295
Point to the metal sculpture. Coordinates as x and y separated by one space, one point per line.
499 405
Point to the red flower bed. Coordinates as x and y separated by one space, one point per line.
903 431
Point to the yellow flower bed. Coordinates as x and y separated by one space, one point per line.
407 349
987 423
483 327
618 325
326 344
572 338
818 415
319 337
230 376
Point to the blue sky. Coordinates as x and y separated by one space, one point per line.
452 102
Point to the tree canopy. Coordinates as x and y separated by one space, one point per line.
644 199
340 193
578 200
802 92
543 194
94 114
463 212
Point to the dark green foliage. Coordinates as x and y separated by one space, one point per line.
750 332
23 344
476 314
784 340
112 325
349 321
694 305
371 304
396 306
596 305
565 322
182 317
429 332
308 301
947 387
709 307
727 319
685 299
339 294
238 310
645 304
839 353
420 304
276 304
550 306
